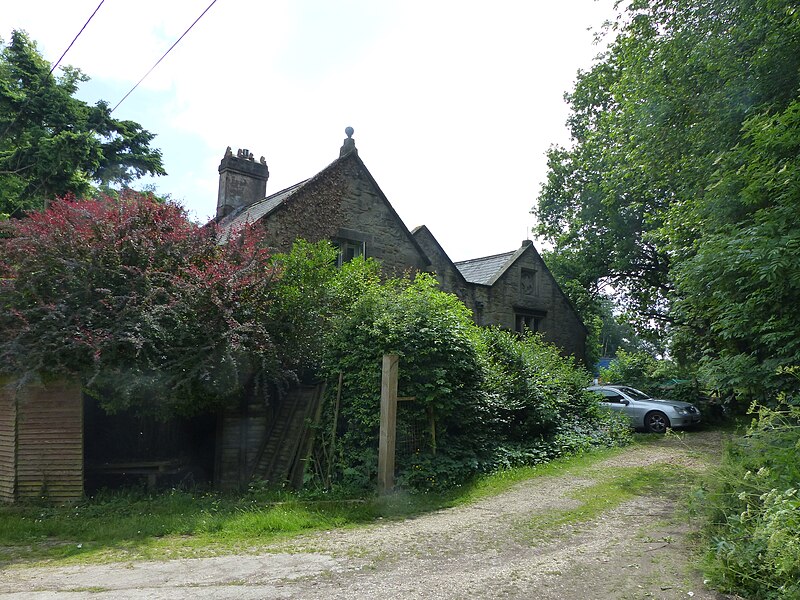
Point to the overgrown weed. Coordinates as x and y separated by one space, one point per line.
751 507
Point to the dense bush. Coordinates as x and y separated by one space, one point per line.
483 398
753 510
151 313
534 404
309 294
430 331
138 302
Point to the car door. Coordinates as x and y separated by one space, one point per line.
637 407
614 400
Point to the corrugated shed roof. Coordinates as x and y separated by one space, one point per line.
483 270
256 211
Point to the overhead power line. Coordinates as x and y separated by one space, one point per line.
163 56
53 68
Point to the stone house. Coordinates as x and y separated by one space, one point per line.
343 203
51 440
514 290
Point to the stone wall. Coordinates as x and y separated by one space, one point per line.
528 288
449 277
344 203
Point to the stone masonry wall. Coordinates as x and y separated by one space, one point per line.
509 295
344 203
447 274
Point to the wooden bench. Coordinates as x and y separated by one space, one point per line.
151 469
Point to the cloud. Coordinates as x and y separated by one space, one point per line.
453 102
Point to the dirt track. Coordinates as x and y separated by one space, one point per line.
636 550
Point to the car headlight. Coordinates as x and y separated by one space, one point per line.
682 411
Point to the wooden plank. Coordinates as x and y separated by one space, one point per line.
306 445
388 427
7 442
50 442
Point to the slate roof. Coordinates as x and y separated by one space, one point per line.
484 270
256 211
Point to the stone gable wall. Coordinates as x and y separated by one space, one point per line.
344 203
560 325
366 213
448 276
313 214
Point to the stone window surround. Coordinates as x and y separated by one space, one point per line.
528 282
351 243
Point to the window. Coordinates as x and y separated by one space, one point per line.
612 396
528 322
348 250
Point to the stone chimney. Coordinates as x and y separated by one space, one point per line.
242 181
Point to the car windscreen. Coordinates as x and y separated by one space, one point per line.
635 394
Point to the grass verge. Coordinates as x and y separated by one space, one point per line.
133 525
614 487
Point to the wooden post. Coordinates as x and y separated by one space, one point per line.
432 425
332 454
388 430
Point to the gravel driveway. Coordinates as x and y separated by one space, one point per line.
490 549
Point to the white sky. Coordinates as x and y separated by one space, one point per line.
453 102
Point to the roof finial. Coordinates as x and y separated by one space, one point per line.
349 144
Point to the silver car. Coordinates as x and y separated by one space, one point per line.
650 414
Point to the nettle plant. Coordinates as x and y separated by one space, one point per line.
751 506
129 295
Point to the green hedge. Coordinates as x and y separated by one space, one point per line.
484 398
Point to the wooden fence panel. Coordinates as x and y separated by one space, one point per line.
239 434
49 444
8 443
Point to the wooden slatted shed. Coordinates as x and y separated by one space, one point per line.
41 441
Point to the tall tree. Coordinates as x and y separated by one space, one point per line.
656 181
53 144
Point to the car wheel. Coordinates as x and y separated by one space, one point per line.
656 422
